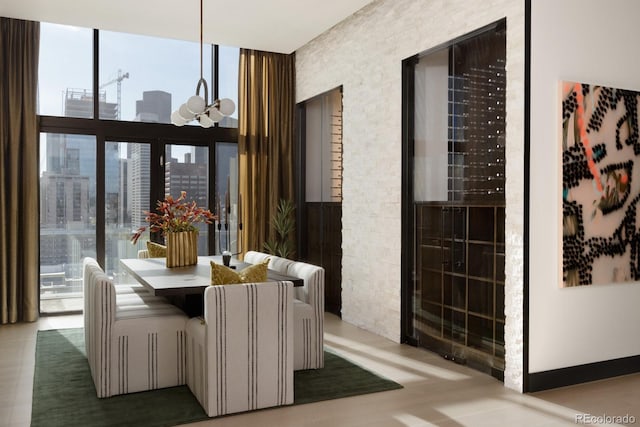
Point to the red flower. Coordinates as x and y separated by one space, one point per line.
175 215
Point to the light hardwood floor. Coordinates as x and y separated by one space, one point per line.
436 392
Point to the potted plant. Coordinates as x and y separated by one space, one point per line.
283 223
176 220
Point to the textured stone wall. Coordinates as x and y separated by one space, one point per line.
364 54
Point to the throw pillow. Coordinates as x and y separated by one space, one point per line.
156 250
221 275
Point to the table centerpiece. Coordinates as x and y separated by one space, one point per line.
176 220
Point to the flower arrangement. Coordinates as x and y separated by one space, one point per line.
175 215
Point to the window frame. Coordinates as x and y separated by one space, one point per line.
157 134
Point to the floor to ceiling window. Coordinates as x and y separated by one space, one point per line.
67 217
127 193
454 217
226 191
107 159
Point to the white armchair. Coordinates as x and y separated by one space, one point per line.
254 257
308 316
240 355
308 308
134 341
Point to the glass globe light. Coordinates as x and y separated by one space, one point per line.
205 121
185 113
196 104
177 119
215 114
227 107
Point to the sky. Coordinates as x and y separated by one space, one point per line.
66 62
152 63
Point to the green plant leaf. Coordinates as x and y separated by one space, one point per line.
271 247
284 225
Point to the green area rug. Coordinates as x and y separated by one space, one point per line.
64 394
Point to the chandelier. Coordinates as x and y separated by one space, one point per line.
197 107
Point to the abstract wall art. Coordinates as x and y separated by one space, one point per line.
600 194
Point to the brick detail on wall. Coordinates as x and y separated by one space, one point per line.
364 54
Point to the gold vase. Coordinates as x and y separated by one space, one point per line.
182 248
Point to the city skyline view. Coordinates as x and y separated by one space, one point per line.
151 63
154 76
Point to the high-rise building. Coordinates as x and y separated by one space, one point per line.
71 163
79 103
66 201
155 106
201 155
138 181
187 176
68 190
193 178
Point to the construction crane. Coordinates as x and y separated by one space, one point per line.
118 80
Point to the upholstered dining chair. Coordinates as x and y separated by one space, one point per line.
308 307
255 257
134 341
308 316
240 353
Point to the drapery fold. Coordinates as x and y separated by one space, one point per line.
266 108
19 225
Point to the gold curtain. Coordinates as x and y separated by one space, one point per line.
19 225
266 107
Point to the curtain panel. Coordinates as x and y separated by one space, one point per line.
19 225
266 108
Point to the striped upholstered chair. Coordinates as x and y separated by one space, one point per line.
308 308
276 263
308 316
255 257
240 354
134 341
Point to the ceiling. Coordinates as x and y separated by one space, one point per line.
270 25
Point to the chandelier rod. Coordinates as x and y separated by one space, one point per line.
197 108
201 40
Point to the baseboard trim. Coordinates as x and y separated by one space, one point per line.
546 380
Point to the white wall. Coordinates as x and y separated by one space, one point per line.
364 55
586 41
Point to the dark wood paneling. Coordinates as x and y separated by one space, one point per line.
461 307
324 247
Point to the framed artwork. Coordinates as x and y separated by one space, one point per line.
600 194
